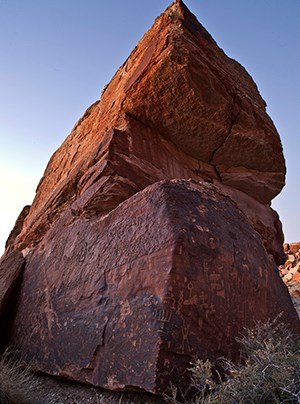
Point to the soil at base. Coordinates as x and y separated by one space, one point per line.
49 390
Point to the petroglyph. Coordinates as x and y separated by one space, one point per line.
217 284
125 311
164 316
185 337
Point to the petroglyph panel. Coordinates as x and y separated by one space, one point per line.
135 296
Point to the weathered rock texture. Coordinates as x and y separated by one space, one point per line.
177 108
290 272
129 299
17 227
127 277
11 266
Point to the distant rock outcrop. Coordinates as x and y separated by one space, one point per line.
290 272
151 239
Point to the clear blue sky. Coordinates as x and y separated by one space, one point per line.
57 55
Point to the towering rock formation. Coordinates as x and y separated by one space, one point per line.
177 108
151 238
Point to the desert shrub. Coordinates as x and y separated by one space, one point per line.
16 382
269 371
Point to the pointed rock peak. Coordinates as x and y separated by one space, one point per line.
180 8
178 11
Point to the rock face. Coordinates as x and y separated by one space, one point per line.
128 300
11 266
129 272
17 228
177 108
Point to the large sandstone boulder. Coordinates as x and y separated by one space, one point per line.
177 108
127 300
130 273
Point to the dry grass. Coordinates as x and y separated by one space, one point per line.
16 383
269 371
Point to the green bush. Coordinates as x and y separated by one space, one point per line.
269 371
16 382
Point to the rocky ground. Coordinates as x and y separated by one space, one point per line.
49 390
